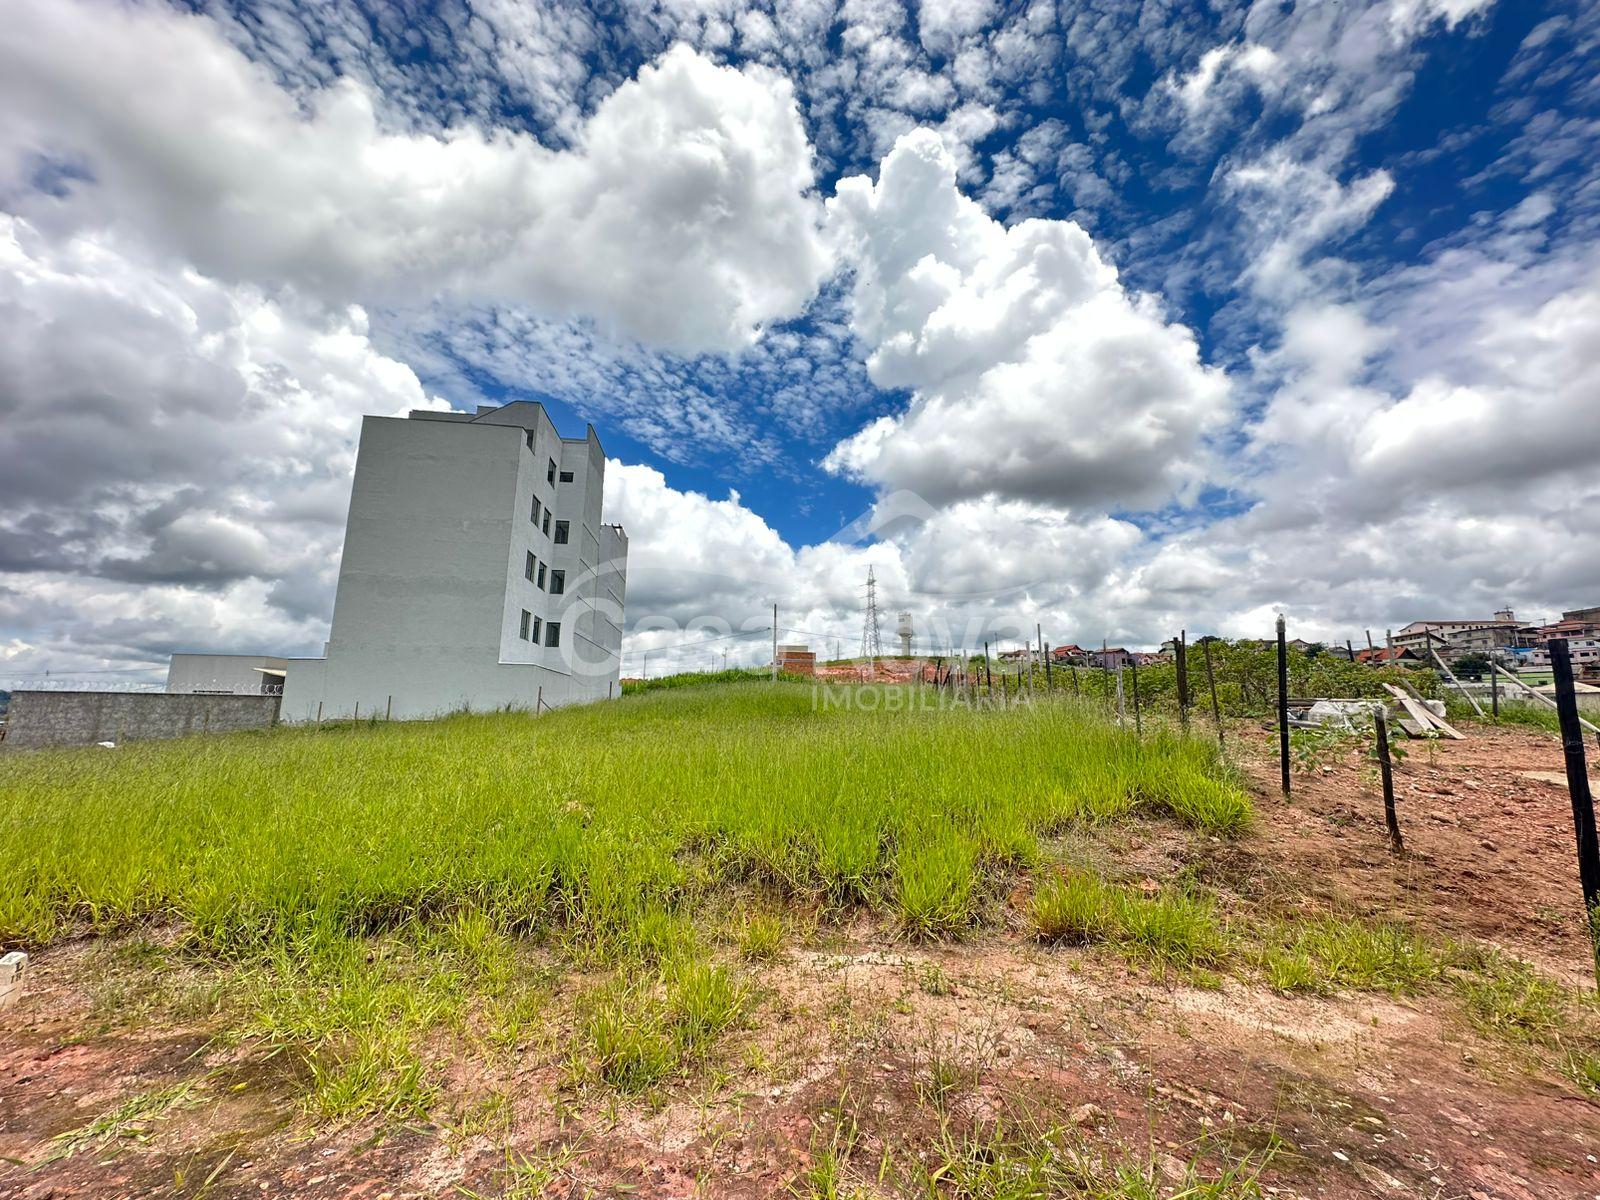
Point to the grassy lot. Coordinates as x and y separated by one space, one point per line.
607 819
358 888
403 919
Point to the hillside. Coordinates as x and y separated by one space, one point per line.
730 940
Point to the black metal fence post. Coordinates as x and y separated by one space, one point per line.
1578 786
1283 703
1380 725
1494 688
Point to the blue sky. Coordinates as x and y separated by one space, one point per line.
1134 315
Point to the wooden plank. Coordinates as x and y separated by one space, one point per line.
1439 723
1420 714
1411 727
1450 675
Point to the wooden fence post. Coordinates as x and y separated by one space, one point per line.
1138 724
1380 726
1578 785
988 679
1216 709
1181 654
1283 703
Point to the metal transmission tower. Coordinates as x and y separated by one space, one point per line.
871 644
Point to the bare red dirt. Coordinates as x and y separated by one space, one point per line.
1489 845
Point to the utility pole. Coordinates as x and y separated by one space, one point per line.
774 643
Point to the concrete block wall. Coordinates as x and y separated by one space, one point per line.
84 718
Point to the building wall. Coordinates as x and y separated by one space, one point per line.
230 673
432 588
84 718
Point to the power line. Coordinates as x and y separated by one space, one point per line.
73 674
706 642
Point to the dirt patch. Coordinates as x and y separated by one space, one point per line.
1490 851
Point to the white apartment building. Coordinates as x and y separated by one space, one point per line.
477 572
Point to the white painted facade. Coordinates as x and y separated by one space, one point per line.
225 674
450 513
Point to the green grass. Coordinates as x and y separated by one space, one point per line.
129 1121
640 1033
1529 713
761 938
1171 928
1184 929
1328 954
1511 999
361 902
685 679
607 822
1018 1161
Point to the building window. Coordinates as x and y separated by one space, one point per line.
550 475
536 624
546 522
541 575
528 434
535 513
558 582
566 477
561 532
552 634
528 565
527 617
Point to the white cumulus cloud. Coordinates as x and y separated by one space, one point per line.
682 216
1033 373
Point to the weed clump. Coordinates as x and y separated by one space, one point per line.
1172 928
641 1033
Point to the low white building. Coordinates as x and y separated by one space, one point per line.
477 572
225 674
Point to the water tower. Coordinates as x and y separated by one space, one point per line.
903 632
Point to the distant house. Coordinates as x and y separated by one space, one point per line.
1069 654
1385 656
1110 658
